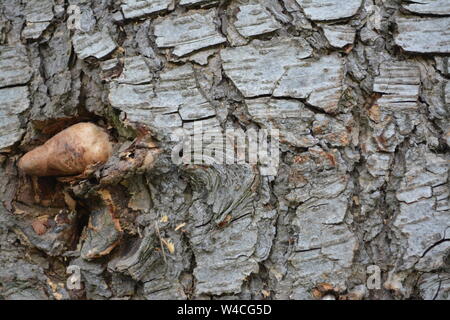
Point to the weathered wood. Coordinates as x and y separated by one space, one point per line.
252 20
188 32
339 36
423 35
256 68
320 10
138 8
359 92
97 45
39 14
437 7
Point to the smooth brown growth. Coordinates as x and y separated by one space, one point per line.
70 152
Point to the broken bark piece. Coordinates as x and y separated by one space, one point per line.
435 286
291 117
421 219
135 71
399 78
49 228
174 98
399 84
253 20
14 67
188 32
98 45
138 8
103 234
256 68
13 100
339 36
39 14
70 152
178 89
111 69
229 249
319 82
129 163
321 10
10 129
423 35
92 283
447 93
324 291
140 257
201 57
322 239
334 131
434 7
320 233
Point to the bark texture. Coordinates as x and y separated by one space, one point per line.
359 90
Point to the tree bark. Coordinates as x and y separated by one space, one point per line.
356 209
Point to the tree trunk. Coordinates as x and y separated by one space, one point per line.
356 203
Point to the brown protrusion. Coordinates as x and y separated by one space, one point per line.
39 226
69 152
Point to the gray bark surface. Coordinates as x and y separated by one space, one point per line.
359 90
